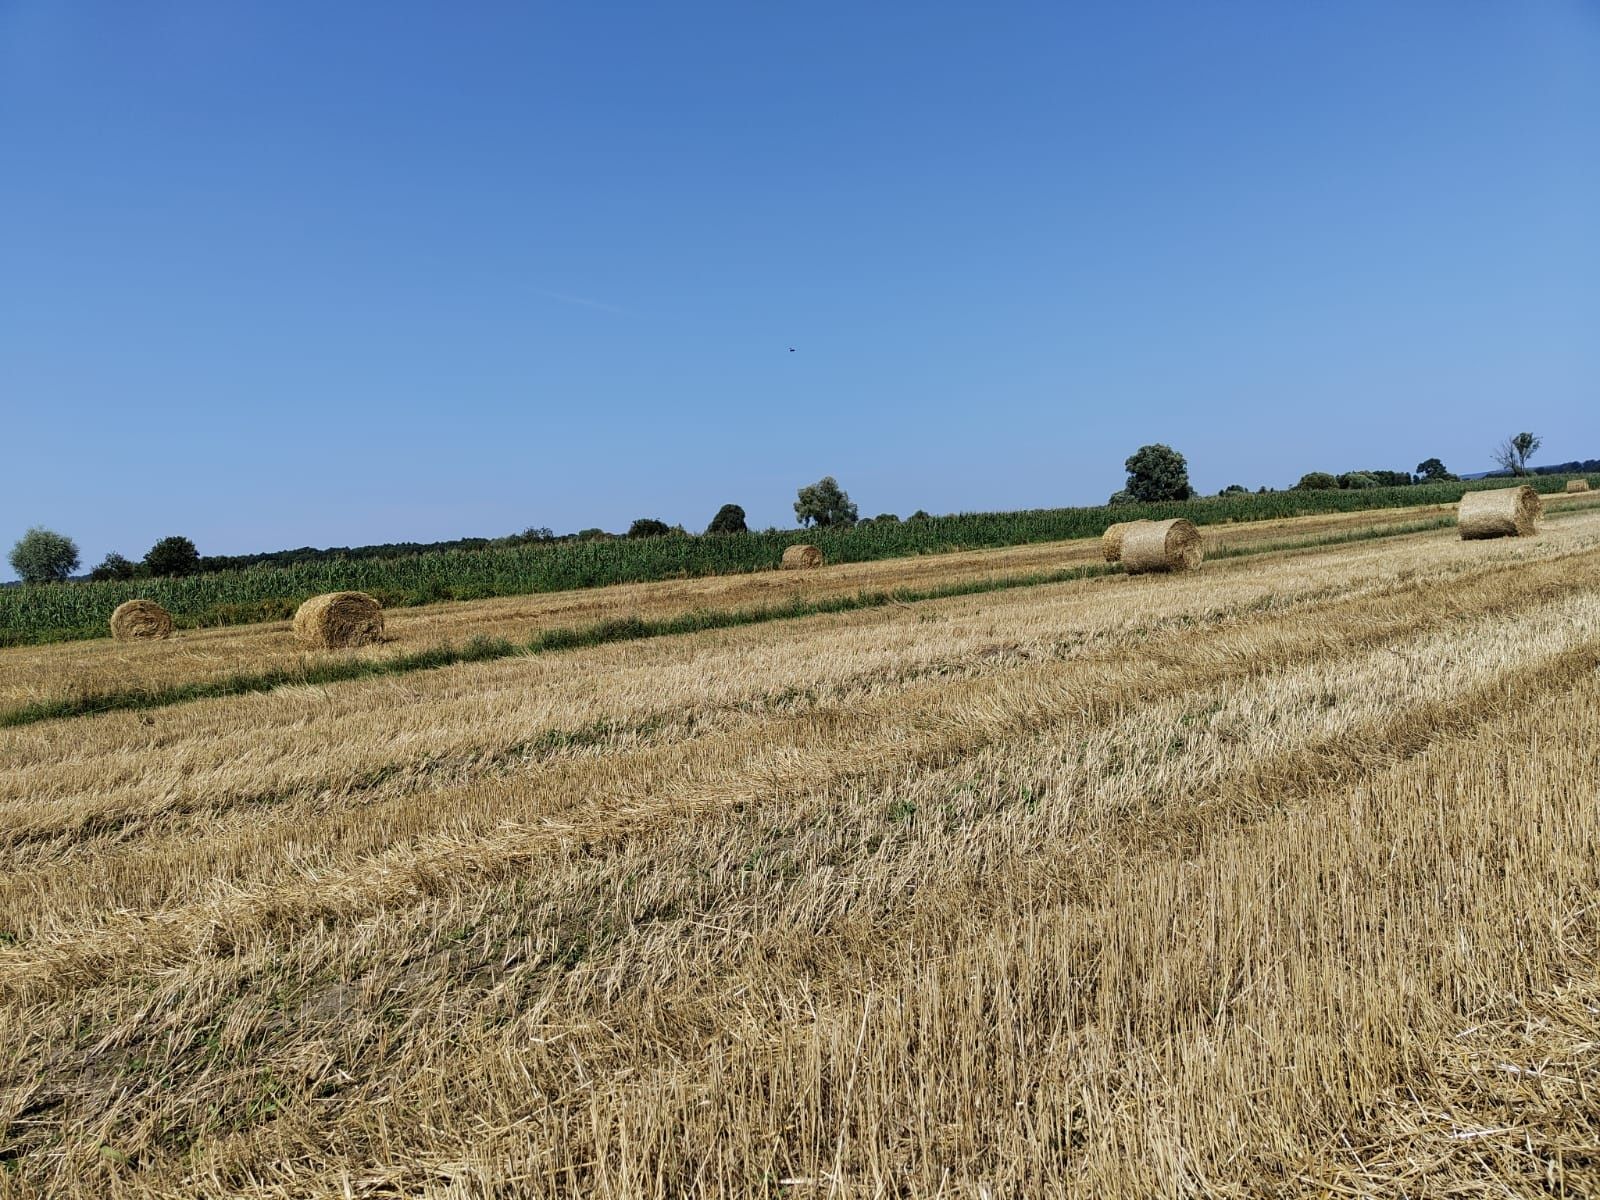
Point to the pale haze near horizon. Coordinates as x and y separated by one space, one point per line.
278 275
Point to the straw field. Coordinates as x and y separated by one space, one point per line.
1273 878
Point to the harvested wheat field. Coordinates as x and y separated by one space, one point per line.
1276 878
44 674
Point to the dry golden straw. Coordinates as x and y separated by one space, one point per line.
338 620
1111 539
135 620
1161 546
801 558
1577 485
1503 512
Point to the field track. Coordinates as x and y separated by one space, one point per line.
1276 879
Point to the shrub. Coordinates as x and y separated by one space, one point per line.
44 556
826 504
648 527
1316 481
172 558
1156 473
729 519
114 566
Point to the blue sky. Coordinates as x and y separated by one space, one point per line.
284 273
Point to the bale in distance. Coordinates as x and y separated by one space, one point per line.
1111 539
1501 512
1577 485
1161 546
339 620
139 620
801 558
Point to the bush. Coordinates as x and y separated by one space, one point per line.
1156 473
1358 480
114 566
729 519
921 514
44 556
1233 489
1316 481
172 558
825 504
648 527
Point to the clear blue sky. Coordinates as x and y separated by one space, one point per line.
281 273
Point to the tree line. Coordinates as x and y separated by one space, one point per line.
1156 473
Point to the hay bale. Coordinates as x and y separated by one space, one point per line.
338 620
1161 546
1577 485
1111 539
1502 512
136 620
801 558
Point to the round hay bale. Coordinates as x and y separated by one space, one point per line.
1111 539
801 558
1577 485
1161 546
136 620
339 619
1502 512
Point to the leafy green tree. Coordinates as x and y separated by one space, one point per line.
646 527
1358 480
172 556
1156 473
1434 471
114 566
886 519
1233 489
1316 481
825 504
44 556
592 535
1513 453
921 514
729 519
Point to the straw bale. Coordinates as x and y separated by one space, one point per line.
338 620
1501 512
801 558
1161 546
1111 539
137 620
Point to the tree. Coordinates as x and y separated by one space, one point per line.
1157 473
648 527
729 519
1316 481
172 556
1233 489
1513 453
114 566
1433 471
44 556
592 535
886 519
1358 480
921 514
826 504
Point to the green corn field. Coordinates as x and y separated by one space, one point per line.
56 612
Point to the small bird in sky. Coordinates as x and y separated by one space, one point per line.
791 349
